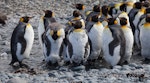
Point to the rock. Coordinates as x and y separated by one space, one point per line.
132 65
147 81
51 75
78 68
16 80
4 55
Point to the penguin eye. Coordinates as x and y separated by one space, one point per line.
59 33
51 32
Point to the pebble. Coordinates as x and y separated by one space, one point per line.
78 68
132 65
51 75
147 81
16 80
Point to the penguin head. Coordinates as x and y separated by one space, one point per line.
25 19
123 21
56 30
146 4
112 21
148 18
137 5
147 10
112 11
80 6
123 7
142 0
95 18
48 13
76 13
104 10
96 8
77 24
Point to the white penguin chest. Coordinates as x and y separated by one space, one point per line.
78 41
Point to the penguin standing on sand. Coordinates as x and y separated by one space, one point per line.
137 6
128 38
78 48
95 29
113 43
145 39
22 41
43 23
53 43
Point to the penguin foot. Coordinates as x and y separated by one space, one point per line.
111 67
23 65
146 61
67 63
12 63
125 63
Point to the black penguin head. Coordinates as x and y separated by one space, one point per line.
146 4
123 21
123 7
138 5
142 0
111 21
76 13
48 13
95 18
80 6
112 11
96 8
147 10
148 18
105 10
77 24
25 19
54 35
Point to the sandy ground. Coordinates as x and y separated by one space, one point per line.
14 10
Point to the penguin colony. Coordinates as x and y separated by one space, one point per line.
110 32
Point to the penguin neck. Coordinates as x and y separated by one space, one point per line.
98 23
76 18
142 10
123 26
78 30
147 25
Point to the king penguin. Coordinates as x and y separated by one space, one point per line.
140 13
113 43
95 29
21 41
128 38
145 39
53 43
78 48
137 6
43 23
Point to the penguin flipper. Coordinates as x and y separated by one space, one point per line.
70 50
47 44
87 50
113 44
